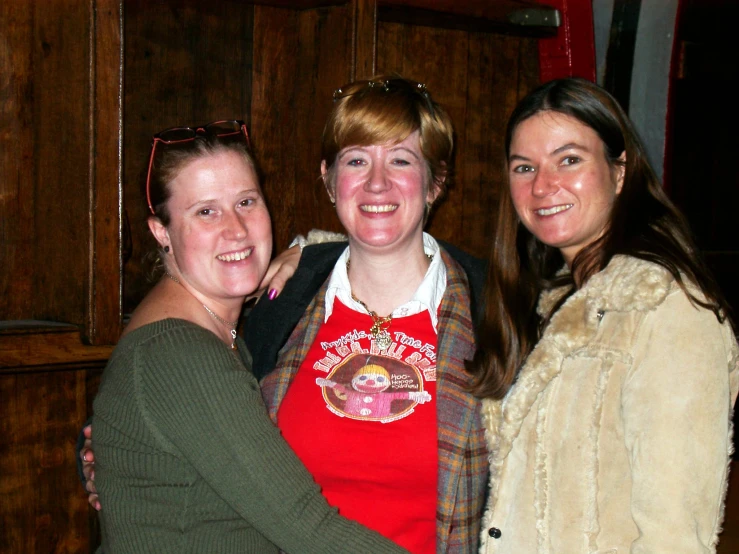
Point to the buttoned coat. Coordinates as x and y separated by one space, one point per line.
463 468
615 437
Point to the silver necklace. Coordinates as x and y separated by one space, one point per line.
230 324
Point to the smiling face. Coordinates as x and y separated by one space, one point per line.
381 193
220 235
561 182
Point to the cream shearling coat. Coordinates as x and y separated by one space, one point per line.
616 436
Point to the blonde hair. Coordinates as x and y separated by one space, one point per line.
372 369
386 109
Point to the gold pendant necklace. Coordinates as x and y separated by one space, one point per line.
380 334
230 324
380 325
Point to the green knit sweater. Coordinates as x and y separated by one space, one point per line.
189 461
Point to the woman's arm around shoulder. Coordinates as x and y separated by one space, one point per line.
202 399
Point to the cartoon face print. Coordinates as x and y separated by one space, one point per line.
371 379
373 388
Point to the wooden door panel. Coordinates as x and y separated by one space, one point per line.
42 504
478 78
186 63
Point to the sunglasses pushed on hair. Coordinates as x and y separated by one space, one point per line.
394 84
180 135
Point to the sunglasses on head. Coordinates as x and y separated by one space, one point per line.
395 84
180 135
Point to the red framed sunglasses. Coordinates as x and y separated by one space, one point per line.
179 135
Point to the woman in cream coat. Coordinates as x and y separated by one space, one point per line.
609 383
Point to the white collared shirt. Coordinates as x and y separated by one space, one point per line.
427 297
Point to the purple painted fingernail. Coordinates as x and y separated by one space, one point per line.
272 294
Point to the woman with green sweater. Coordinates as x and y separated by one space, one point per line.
187 459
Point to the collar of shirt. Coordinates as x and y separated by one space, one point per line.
427 297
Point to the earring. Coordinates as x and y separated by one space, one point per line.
166 249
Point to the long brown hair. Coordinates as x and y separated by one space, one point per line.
643 224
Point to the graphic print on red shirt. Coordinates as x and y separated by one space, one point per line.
357 388
364 424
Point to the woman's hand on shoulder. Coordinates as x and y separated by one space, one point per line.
283 267
279 272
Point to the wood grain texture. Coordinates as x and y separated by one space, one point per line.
59 153
59 163
17 170
41 504
44 147
364 42
103 309
273 119
41 348
300 58
324 69
186 63
478 78
60 51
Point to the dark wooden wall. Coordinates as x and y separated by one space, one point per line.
83 86
276 68
60 80
187 62
59 163
479 78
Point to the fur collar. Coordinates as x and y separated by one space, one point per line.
626 284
